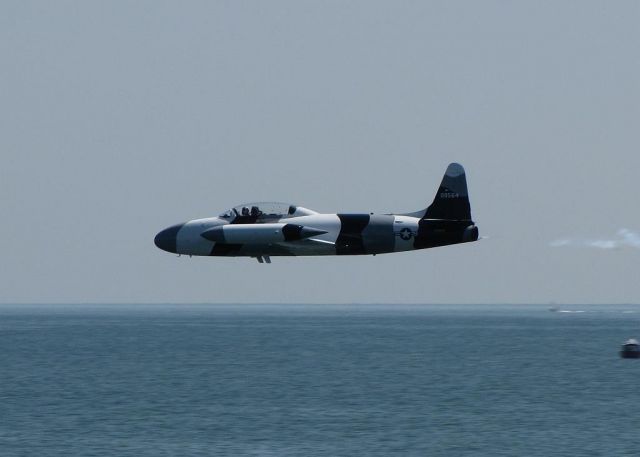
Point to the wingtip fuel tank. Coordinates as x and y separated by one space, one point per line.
260 233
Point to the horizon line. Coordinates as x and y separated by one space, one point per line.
119 303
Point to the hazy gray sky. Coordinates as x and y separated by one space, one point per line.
118 119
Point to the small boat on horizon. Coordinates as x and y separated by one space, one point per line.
630 349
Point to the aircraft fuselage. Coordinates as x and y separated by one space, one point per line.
278 229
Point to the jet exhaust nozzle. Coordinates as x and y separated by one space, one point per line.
471 233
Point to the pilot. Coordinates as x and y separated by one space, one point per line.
245 211
255 211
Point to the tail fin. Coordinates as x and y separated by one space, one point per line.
452 199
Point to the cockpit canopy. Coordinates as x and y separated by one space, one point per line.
262 212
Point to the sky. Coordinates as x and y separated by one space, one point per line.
118 119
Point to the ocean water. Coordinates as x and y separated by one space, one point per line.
317 381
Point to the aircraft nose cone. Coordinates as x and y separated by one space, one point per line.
166 239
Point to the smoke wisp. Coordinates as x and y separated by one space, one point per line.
624 238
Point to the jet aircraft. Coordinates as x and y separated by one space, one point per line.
263 230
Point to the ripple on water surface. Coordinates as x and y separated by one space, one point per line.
316 380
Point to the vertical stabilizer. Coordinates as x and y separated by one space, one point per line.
452 200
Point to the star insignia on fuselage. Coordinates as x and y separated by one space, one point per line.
406 234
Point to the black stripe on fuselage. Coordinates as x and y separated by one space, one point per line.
349 240
433 233
225 249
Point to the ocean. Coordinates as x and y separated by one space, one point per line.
317 380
